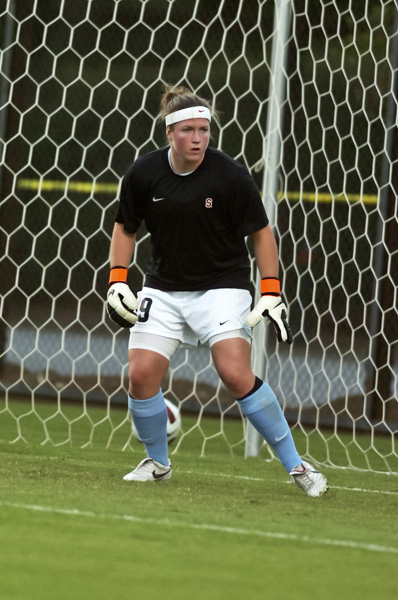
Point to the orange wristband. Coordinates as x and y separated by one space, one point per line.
118 275
270 286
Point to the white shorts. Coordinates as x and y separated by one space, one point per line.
190 318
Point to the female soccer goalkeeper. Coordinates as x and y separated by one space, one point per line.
198 205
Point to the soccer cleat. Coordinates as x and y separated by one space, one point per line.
149 470
309 480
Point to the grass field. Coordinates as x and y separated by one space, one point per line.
223 528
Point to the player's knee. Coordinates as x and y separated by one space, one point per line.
237 382
142 381
232 359
146 372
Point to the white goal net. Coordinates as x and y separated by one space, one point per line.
307 94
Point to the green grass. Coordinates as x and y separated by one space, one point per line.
223 528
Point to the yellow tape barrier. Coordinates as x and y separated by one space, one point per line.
79 187
89 187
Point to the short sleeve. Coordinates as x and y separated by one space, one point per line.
132 200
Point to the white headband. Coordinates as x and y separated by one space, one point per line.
194 112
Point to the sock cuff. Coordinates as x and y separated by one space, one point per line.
257 384
258 400
148 407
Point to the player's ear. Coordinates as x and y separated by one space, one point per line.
169 132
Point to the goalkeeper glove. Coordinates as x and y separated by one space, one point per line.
121 302
271 305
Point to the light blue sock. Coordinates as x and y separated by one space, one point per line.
264 413
150 420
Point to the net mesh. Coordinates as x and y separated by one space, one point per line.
79 92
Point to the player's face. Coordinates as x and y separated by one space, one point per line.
188 141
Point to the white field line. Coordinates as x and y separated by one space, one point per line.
244 477
206 527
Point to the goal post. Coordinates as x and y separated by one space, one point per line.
307 96
270 184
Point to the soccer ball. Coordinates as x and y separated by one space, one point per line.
173 422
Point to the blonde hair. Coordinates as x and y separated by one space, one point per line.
179 97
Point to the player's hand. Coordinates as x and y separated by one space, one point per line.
272 306
122 305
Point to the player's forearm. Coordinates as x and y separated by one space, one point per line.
122 247
266 252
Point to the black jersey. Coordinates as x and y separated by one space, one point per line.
198 222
